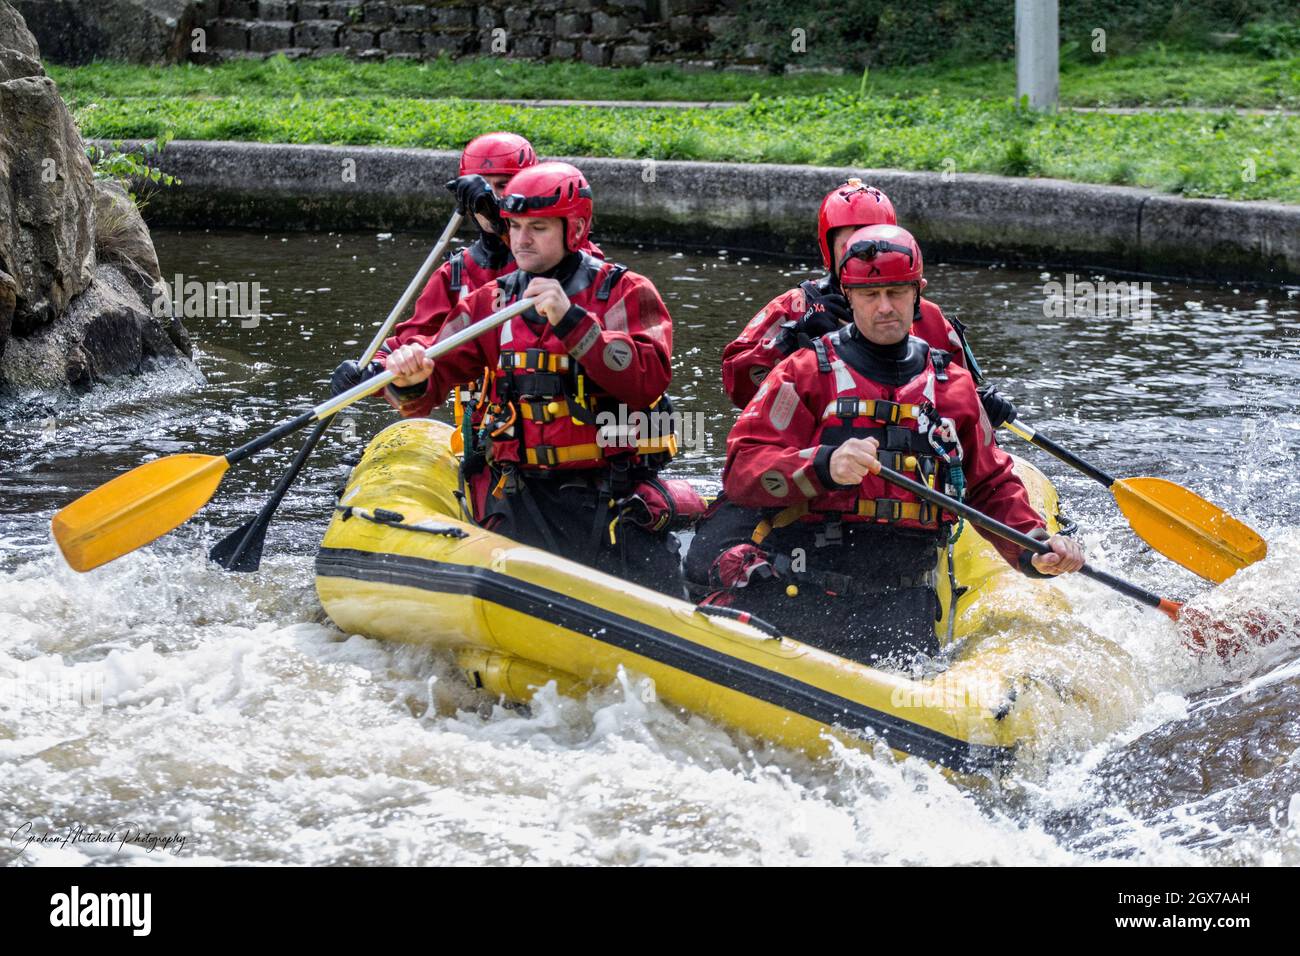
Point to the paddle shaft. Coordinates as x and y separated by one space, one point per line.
413 289
256 529
1052 448
251 533
371 385
1186 528
980 519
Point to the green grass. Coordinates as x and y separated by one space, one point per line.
486 78
1154 77
1157 78
1194 154
927 118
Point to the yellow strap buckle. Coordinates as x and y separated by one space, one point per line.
549 456
656 446
543 411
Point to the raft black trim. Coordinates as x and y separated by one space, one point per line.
663 647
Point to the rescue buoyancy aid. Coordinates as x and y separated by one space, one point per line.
905 417
475 265
484 261
542 412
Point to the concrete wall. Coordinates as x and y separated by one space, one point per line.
751 207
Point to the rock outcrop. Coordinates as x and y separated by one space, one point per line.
77 267
135 31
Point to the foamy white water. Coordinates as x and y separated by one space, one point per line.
223 709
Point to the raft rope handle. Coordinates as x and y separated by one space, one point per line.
743 617
393 519
955 591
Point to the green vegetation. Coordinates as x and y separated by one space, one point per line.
484 77
955 113
1194 154
857 33
1158 76
128 166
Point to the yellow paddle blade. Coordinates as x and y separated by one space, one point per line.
135 508
1187 529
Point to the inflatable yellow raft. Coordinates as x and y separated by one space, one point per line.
397 563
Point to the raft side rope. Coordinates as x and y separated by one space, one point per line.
943 439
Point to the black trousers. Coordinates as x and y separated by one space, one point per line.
888 624
559 514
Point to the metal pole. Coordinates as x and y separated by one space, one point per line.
1038 41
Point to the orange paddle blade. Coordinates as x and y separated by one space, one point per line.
135 508
1187 529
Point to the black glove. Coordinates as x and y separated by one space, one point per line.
999 410
475 196
495 247
349 375
824 314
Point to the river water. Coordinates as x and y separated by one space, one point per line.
159 695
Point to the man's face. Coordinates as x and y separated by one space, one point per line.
883 313
537 244
498 184
839 239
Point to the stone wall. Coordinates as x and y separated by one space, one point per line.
599 32
752 35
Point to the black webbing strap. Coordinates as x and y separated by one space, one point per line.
535 515
457 270
823 360
607 286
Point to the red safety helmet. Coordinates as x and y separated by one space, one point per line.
881 255
497 154
551 190
852 204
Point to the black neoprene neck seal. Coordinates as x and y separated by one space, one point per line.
892 365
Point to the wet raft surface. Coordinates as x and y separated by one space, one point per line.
162 692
